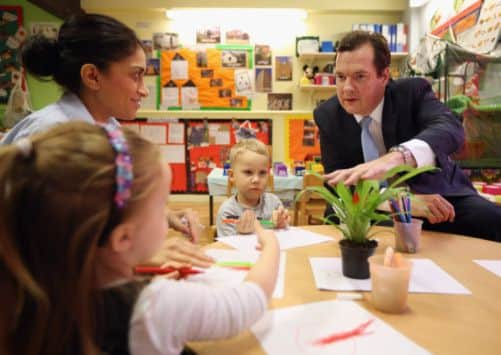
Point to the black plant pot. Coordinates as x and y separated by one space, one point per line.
354 258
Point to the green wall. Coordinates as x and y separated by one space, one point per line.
41 92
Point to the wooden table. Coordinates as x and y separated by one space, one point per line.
441 323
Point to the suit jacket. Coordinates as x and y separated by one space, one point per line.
410 110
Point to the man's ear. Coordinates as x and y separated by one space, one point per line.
120 239
90 76
385 75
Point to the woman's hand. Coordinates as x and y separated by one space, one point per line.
187 222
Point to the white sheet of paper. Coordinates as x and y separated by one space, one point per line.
155 133
218 276
220 133
293 331
150 102
287 238
176 133
426 277
189 98
179 70
170 97
244 82
493 266
173 153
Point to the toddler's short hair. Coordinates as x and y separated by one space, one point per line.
248 145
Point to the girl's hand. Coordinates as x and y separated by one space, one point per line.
264 236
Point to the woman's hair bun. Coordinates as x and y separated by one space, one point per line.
40 56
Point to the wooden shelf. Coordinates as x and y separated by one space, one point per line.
218 114
314 87
398 55
319 55
330 55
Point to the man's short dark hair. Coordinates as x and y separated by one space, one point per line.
357 39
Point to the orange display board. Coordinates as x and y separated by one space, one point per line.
303 139
211 71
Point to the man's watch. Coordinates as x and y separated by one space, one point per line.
406 154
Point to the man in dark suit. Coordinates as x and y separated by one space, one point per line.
404 123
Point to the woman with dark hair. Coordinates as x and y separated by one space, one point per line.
99 63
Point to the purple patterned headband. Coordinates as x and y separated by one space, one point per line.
123 162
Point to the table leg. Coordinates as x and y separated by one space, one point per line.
211 209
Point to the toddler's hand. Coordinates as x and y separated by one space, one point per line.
280 218
245 224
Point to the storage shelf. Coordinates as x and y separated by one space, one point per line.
310 87
217 114
329 55
319 55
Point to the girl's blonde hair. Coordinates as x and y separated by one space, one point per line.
56 208
248 145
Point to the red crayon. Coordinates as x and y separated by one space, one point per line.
158 270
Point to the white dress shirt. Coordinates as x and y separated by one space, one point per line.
422 152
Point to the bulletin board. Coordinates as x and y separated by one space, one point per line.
209 143
303 141
11 36
211 71
171 140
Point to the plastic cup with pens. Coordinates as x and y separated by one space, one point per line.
407 229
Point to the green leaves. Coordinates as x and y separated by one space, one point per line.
356 207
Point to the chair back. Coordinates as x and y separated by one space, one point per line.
310 206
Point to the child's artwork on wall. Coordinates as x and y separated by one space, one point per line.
47 29
152 66
169 136
170 95
165 40
263 54
280 101
243 82
303 140
237 36
209 144
283 68
179 68
189 96
234 59
488 28
148 48
12 35
209 35
220 75
263 80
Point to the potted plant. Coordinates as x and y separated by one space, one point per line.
357 211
